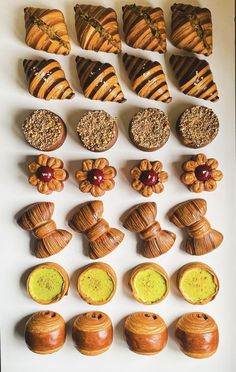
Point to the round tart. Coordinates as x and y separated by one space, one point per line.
44 130
197 127
197 283
97 130
48 283
97 283
149 129
149 283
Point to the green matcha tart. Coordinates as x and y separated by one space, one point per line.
197 283
47 283
149 283
97 283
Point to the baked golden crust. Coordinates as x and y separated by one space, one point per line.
194 77
144 27
192 28
46 30
97 28
46 79
99 81
147 77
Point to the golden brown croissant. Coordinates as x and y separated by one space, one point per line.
46 30
46 79
194 77
192 28
147 77
99 81
144 27
97 28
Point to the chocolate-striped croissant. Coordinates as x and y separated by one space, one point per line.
97 28
46 79
147 77
46 30
144 28
99 81
192 28
194 77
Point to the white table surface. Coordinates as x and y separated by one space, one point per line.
16 193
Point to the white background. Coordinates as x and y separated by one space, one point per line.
16 193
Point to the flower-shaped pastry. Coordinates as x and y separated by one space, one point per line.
201 174
96 176
47 174
148 177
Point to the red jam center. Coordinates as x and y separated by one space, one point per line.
149 178
44 174
95 176
203 172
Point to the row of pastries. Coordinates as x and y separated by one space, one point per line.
97 29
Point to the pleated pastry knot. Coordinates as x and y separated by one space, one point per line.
141 220
37 219
46 79
202 238
102 238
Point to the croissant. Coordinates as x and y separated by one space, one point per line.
144 28
46 30
37 218
97 28
202 238
141 220
194 77
192 28
147 77
99 81
46 79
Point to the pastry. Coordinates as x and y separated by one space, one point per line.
37 219
194 77
96 177
47 174
92 333
45 332
191 28
197 334
97 28
202 238
145 333
149 129
102 238
46 30
148 177
46 79
149 283
197 283
201 174
197 127
97 130
147 78
97 283
99 81
141 220
48 283
144 27
44 130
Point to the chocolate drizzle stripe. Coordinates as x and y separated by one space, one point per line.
44 81
149 79
53 85
100 85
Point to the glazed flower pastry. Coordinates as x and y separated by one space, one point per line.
148 177
96 177
47 174
46 30
201 174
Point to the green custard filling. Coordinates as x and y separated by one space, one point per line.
197 285
96 284
150 286
45 284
